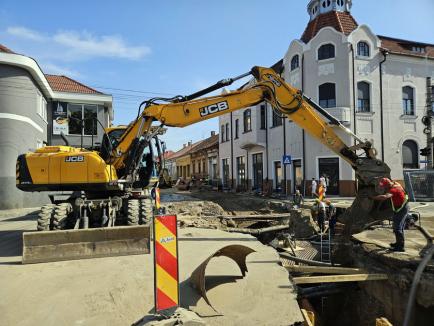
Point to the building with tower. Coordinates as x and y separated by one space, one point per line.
376 85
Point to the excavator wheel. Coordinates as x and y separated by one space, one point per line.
60 217
146 210
133 212
45 217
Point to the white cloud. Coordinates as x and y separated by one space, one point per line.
105 46
82 45
51 68
25 33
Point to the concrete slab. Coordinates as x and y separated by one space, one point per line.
119 290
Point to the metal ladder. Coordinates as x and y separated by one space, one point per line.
325 246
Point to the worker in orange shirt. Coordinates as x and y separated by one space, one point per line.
399 200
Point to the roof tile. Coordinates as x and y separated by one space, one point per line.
5 49
404 47
68 85
343 22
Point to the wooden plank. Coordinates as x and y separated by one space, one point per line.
309 317
382 322
324 269
255 217
339 278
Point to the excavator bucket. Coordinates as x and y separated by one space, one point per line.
49 246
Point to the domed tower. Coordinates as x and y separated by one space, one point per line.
332 13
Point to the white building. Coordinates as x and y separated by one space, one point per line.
375 85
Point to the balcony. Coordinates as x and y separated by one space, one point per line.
343 114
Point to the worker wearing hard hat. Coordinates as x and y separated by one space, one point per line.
399 200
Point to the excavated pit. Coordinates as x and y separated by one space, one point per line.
334 304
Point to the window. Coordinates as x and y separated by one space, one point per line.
41 106
247 117
82 119
203 166
225 166
222 132
237 128
363 97
326 51
363 49
295 62
263 117
408 100
39 143
327 95
277 119
418 49
340 2
241 171
326 3
193 163
410 158
227 132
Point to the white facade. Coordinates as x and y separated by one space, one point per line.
360 110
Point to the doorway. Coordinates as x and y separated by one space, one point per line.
297 176
278 175
329 168
258 171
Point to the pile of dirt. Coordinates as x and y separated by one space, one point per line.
194 213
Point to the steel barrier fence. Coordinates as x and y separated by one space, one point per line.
420 185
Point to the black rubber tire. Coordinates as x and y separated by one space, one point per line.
60 216
146 210
45 217
133 212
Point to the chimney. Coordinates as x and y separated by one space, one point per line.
212 133
184 145
189 143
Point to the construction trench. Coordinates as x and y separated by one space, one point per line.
353 281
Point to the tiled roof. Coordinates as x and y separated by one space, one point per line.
68 85
404 47
207 143
185 150
343 22
5 49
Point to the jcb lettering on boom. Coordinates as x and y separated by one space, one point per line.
213 108
73 159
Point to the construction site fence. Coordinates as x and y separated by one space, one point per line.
420 185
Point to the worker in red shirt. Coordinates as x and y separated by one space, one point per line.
399 200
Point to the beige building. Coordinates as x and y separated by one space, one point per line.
375 85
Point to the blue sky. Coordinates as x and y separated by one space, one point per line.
177 47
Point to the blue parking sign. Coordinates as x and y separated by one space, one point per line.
286 159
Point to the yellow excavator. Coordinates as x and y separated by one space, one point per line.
108 184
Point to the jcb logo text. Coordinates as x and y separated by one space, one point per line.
73 159
213 108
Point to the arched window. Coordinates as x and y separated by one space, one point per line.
247 119
327 95
295 62
326 51
363 97
340 2
408 100
410 159
363 49
326 3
